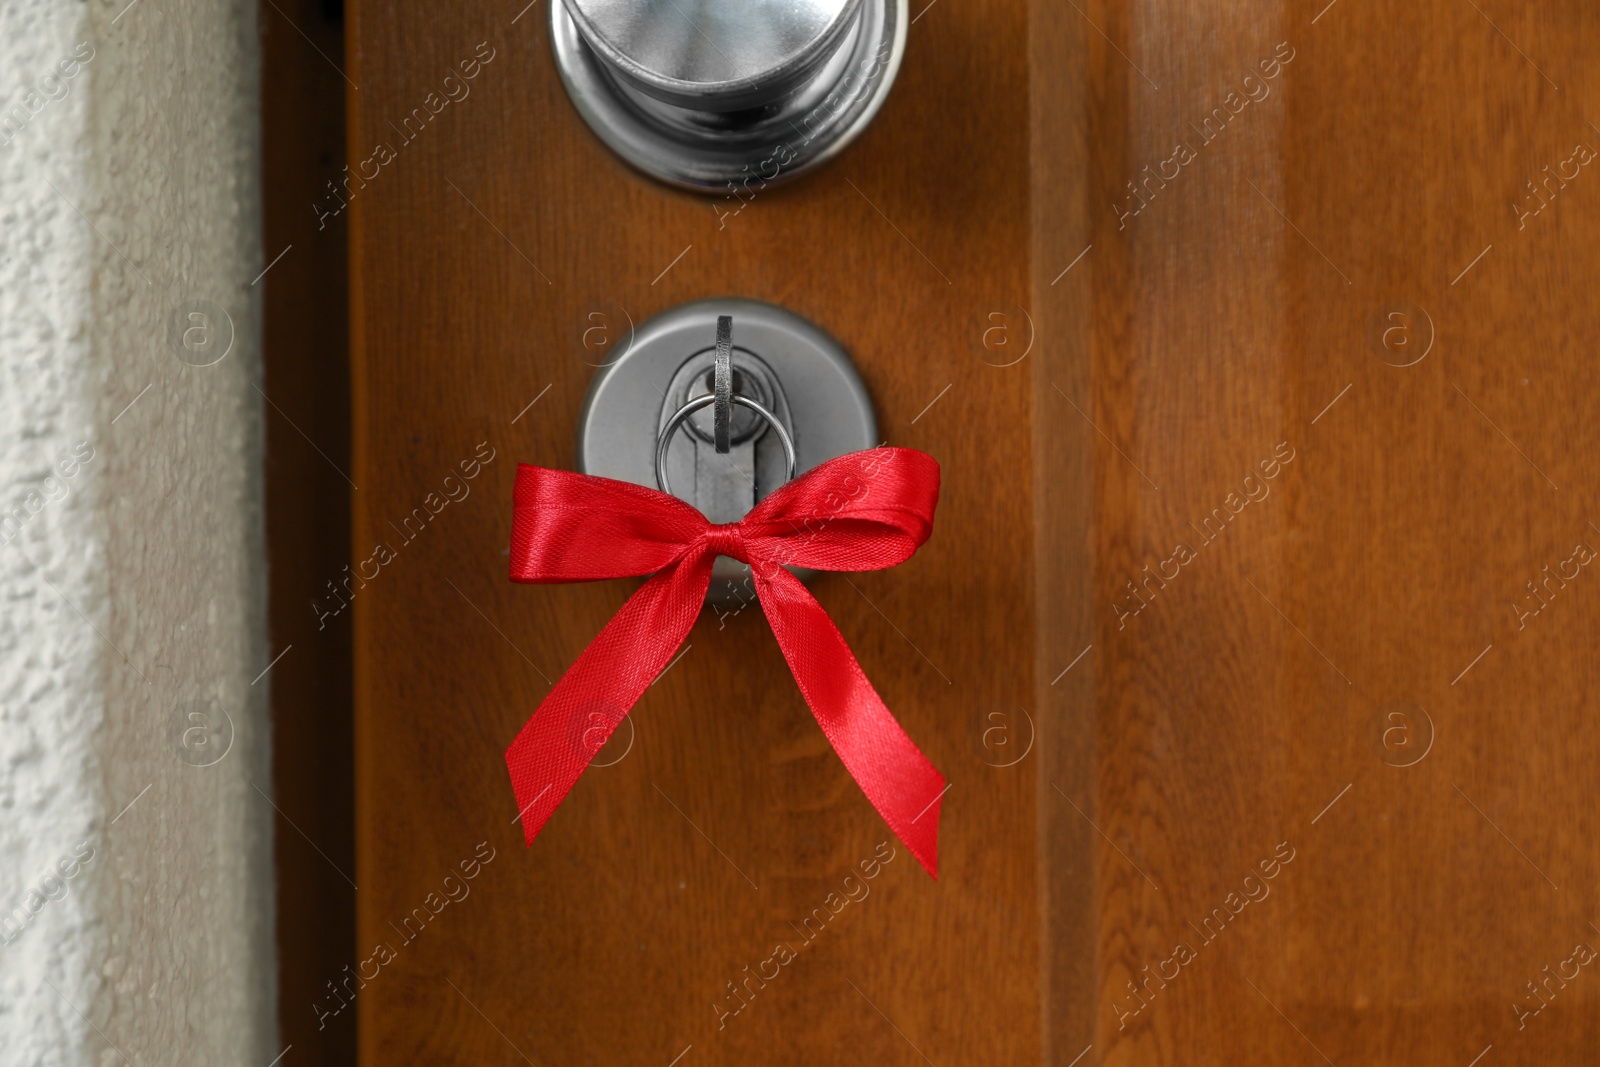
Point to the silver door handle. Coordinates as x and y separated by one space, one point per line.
720 95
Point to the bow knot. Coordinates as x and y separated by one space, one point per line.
726 540
862 511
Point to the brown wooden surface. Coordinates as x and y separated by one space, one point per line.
478 253
306 381
1242 706
1239 704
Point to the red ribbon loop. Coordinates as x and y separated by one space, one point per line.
862 511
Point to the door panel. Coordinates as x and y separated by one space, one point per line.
481 250
1242 545
1339 665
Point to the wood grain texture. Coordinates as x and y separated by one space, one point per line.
477 254
1339 679
1246 306
1066 451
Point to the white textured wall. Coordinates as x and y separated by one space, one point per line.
131 562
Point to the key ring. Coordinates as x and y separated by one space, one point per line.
665 440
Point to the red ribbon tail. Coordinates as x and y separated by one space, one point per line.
574 721
896 777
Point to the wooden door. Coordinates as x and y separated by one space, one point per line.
1270 554
1378 268
481 251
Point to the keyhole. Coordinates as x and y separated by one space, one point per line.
743 423
737 377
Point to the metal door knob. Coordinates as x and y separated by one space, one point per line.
714 95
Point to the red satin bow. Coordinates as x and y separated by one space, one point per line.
862 511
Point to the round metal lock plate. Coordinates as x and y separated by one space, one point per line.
791 85
813 386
